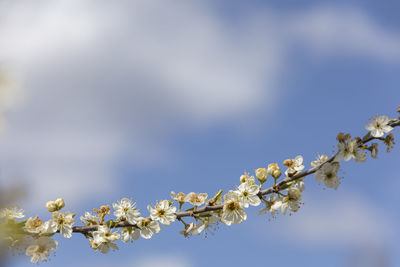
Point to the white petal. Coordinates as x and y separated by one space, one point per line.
376 133
243 214
164 221
332 183
387 128
284 207
370 127
254 200
146 233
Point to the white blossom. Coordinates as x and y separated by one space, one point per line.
15 240
206 223
126 210
11 214
130 234
294 165
349 150
379 126
64 222
163 212
33 225
299 184
49 227
291 201
41 249
148 227
320 159
328 174
233 211
188 229
248 194
274 204
196 199
36 226
360 155
90 219
180 197
103 239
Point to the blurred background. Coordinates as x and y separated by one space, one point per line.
101 100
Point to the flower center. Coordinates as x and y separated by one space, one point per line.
146 222
194 198
40 249
161 212
232 206
36 222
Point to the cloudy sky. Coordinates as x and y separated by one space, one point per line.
138 98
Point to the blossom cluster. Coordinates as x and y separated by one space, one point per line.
34 236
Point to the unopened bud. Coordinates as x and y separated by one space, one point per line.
246 178
51 206
261 175
60 203
374 150
274 170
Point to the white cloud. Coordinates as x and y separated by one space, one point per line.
101 79
344 30
154 260
343 218
163 261
104 78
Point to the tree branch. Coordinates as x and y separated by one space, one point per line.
261 194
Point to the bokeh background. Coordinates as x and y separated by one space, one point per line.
112 99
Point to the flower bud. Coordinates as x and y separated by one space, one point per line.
374 150
51 206
261 175
60 203
246 178
274 170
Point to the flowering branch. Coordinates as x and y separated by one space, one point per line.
34 235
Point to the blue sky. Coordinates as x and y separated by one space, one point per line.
138 98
